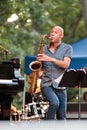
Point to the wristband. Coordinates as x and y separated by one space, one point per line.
54 59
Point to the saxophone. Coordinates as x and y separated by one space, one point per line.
36 66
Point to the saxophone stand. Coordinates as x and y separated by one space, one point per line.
33 96
74 78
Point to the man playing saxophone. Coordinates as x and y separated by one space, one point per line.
56 58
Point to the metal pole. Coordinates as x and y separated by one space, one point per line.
79 103
24 90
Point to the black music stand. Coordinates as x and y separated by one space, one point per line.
74 78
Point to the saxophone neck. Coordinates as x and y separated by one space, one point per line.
42 43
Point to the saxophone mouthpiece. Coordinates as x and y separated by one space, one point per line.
51 37
48 37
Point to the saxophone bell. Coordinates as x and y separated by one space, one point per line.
35 66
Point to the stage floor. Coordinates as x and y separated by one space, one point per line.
76 115
44 125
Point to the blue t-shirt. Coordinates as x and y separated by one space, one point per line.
52 71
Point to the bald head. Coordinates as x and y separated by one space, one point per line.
59 29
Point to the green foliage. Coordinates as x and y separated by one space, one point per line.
42 16
72 94
35 18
